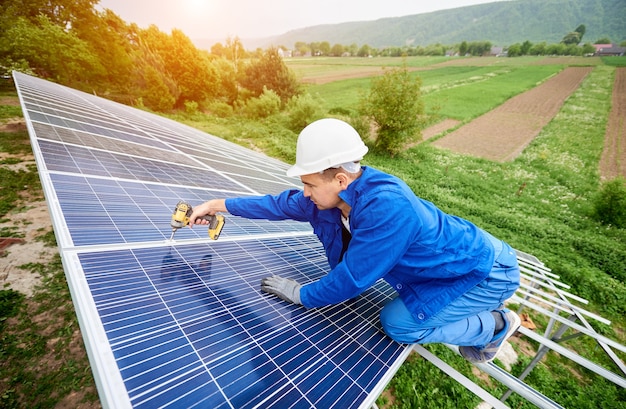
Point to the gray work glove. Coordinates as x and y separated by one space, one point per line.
284 288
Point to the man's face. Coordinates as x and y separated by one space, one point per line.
322 191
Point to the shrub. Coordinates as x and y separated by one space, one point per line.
303 109
221 109
610 203
362 126
395 104
191 107
268 103
270 71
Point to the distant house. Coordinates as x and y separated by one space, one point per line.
284 53
498 51
603 50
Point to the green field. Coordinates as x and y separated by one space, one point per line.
541 203
459 92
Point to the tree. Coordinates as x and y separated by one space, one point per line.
603 40
62 13
315 49
526 46
155 94
539 48
555 49
588 49
109 39
324 48
218 50
228 89
514 50
337 50
364 51
479 48
49 50
571 38
463 48
395 104
302 48
271 72
195 78
581 29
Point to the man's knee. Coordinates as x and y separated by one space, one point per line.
398 328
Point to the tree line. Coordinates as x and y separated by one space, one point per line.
73 43
571 45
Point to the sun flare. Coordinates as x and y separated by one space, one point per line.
198 6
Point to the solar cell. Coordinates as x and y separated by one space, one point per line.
183 323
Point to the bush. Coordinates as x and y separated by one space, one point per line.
362 126
610 203
303 109
191 107
395 104
221 109
268 103
270 71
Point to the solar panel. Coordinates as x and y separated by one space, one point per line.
183 323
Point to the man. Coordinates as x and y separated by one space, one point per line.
451 277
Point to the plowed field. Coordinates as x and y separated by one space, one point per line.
613 161
504 132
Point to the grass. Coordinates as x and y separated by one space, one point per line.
15 184
540 203
41 361
461 93
614 61
550 219
36 370
326 63
467 99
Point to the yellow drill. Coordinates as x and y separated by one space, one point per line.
180 218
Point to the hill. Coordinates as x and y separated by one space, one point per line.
502 23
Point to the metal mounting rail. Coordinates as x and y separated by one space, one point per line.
508 380
459 377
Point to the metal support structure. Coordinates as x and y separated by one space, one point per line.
543 289
460 378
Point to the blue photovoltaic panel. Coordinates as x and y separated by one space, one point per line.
183 323
109 211
191 320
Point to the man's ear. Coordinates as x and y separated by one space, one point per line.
343 180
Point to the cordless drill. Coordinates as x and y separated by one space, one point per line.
180 218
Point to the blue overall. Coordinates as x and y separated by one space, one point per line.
448 273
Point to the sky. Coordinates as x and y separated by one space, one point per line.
220 19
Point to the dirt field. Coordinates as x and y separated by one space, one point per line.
27 250
504 132
613 161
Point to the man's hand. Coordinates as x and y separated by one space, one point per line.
207 208
284 288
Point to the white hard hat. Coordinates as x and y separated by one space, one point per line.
325 144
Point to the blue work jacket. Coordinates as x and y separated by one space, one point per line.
428 256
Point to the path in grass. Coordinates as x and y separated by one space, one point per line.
503 133
613 162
